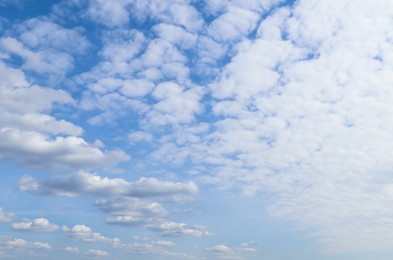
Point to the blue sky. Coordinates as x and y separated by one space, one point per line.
257 129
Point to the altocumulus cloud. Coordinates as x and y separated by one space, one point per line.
286 98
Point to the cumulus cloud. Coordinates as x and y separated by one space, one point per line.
154 248
139 136
93 184
35 149
127 203
44 34
73 250
20 244
96 253
174 229
38 224
132 211
50 62
5 217
86 234
30 136
225 252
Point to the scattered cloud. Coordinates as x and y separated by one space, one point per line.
86 234
38 224
20 244
73 250
174 229
96 253
286 98
5 217
93 184
225 252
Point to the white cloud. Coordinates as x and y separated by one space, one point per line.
109 14
163 243
20 244
139 136
49 61
175 35
153 248
86 234
225 252
73 250
234 24
5 217
96 253
304 111
174 229
136 88
38 224
175 105
131 211
93 184
35 149
30 136
45 34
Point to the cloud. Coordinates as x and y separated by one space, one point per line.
38 224
73 250
20 244
234 24
93 184
52 62
165 243
175 105
225 252
44 34
86 234
5 217
301 110
127 203
174 229
153 248
139 136
111 15
175 35
131 211
96 253
38 150
30 136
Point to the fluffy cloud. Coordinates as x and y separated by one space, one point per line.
233 24
96 253
73 250
139 136
174 229
131 211
303 111
93 184
45 34
154 248
38 224
128 204
86 234
31 137
5 217
35 149
20 244
51 62
225 252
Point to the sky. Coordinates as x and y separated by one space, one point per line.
191 129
